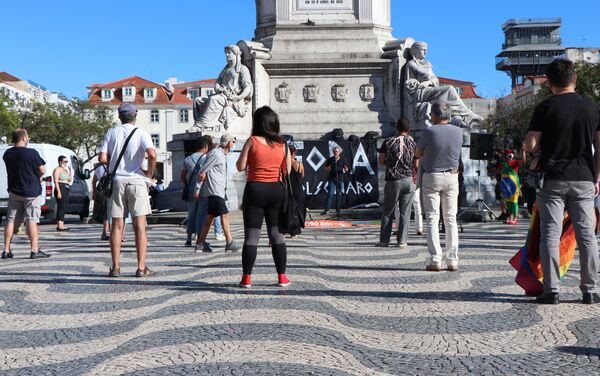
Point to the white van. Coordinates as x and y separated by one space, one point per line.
79 195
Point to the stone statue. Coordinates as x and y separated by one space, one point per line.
233 93
422 88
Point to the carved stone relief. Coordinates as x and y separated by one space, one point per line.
339 92
367 92
311 93
282 93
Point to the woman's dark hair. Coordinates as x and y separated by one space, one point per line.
61 158
292 148
265 123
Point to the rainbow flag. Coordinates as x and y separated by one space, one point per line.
527 260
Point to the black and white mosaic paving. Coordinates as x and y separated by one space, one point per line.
352 309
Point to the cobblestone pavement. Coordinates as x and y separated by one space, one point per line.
352 309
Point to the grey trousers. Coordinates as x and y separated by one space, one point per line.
577 197
396 192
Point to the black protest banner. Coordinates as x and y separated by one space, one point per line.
360 183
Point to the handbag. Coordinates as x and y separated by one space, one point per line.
290 217
105 184
185 192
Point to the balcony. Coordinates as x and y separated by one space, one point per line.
538 40
504 63
524 21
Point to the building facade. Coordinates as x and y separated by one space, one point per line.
22 92
163 109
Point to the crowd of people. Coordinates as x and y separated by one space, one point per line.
563 141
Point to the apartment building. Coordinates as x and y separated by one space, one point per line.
163 109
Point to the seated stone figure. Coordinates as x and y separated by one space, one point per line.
422 88
233 92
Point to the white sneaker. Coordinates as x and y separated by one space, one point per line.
220 236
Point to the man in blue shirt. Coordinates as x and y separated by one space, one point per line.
25 169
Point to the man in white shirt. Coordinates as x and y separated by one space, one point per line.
130 187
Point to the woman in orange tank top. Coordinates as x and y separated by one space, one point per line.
263 157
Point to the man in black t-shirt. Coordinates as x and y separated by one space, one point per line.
564 128
336 168
398 155
25 169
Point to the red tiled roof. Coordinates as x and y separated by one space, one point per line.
163 96
468 88
450 81
129 81
180 96
210 81
5 77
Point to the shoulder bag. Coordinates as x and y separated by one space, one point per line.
290 217
105 184
185 192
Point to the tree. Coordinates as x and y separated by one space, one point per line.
78 126
8 118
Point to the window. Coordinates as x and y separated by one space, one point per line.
155 140
459 91
128 91
154 116
107 94
209 92
184 116
193 94
149 93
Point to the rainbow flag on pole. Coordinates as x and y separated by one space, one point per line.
527 260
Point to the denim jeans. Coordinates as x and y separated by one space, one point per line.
396 192
337 190
577 197
218 226
197 211
436 187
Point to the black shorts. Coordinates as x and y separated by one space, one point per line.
217 206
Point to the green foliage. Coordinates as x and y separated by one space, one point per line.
588 81
78 126
8 118
510 123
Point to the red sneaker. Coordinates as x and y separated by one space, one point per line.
283 280
245 282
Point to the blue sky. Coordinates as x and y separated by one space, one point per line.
68 45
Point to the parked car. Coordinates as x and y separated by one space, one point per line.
79 196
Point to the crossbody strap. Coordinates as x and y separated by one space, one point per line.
285 174
123 151
196 169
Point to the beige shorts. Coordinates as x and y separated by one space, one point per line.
129 196
20 208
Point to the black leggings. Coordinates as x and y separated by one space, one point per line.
61 204
263 200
